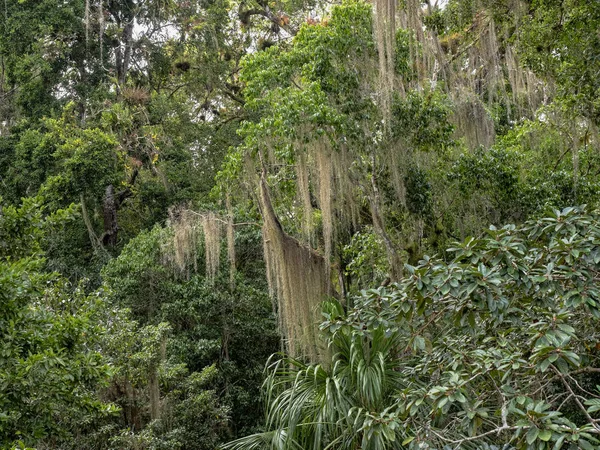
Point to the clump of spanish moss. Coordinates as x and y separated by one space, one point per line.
345 196
528 91
303 189
325 198
87 21
472 120
188 226
230 241
184 246
211 227
298 280
385 37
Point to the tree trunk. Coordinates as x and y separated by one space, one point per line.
127 45
111 226
379 225
154 393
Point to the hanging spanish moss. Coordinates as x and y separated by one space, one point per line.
87 22
211 226
154 394
297 278
187 226
481 67
411 19
183 251
515 78
489 57
526 89
101 30
270 268
156 404
345 198
472 121
230 241
538 92
385 32
325 198
303 188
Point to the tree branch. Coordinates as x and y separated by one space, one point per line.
576 398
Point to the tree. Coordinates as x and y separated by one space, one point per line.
496 347
327 160
206 363
50 366
555 42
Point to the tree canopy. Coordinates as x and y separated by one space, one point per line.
194 190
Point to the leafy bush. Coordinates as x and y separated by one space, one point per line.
494 349
50 366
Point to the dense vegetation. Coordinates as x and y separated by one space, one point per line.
195 190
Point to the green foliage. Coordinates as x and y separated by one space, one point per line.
418 193
459 14
209 324
21 229
135 277
88 162
131 352
315 61
39 41
64 160
556 42
402 53
493 173
50 367
199 420
422 121
366 258
497 346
